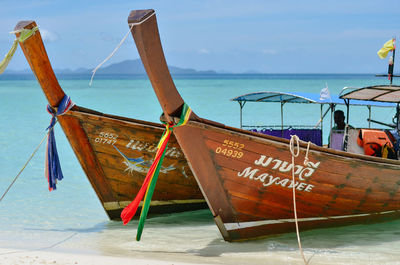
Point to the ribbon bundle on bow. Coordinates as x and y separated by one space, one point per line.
53 169
150 180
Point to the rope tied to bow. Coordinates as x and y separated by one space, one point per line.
295 151
53 170
150 180
24 35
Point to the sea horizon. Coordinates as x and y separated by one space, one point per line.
83 76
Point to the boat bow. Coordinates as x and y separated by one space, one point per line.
145 33
143 24
95 138
246 177
38 60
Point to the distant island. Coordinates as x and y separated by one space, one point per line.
127 67
135 67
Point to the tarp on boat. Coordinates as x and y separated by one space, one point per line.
380 93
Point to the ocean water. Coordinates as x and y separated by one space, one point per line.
71 219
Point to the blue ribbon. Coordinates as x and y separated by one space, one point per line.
53 170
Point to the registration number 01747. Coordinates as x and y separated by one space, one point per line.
106 138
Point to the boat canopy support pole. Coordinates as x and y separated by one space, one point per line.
322 116
398 117
369 115
347 102
332 108
322 124
282 103
241 104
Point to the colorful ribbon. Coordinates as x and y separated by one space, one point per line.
52 168
150 180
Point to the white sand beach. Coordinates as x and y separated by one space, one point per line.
13 256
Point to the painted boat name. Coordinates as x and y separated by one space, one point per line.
282 166
152 148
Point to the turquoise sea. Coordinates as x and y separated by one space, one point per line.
71 218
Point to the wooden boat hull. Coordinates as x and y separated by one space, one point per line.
93 137
246 177
247 180
176 190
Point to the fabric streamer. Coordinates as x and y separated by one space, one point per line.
53 168
24 35
150 180
387 47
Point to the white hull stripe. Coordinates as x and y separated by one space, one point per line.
236 226
122 204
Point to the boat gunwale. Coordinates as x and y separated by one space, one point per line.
303 144
78 110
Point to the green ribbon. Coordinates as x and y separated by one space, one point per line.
24 35
185 114
146 204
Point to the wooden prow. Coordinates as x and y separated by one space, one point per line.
38 60
144 30
147 39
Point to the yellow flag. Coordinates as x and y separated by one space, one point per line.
387 47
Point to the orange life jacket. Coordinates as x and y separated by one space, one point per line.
372 141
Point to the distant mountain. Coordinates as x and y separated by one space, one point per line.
135 67
127 67
252 72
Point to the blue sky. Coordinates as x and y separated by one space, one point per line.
285 36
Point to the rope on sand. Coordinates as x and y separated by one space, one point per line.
292 147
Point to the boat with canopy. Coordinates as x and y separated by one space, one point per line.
311 132
258 185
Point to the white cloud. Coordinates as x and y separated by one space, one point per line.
269 51
204 51
49 35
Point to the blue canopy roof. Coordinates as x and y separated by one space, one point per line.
298 97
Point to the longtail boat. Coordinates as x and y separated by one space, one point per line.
247 178
115 152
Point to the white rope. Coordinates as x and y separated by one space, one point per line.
109 56
306 160
294 138
116 48
291 147
26 163
138 23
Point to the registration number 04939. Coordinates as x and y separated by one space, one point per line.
230 149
